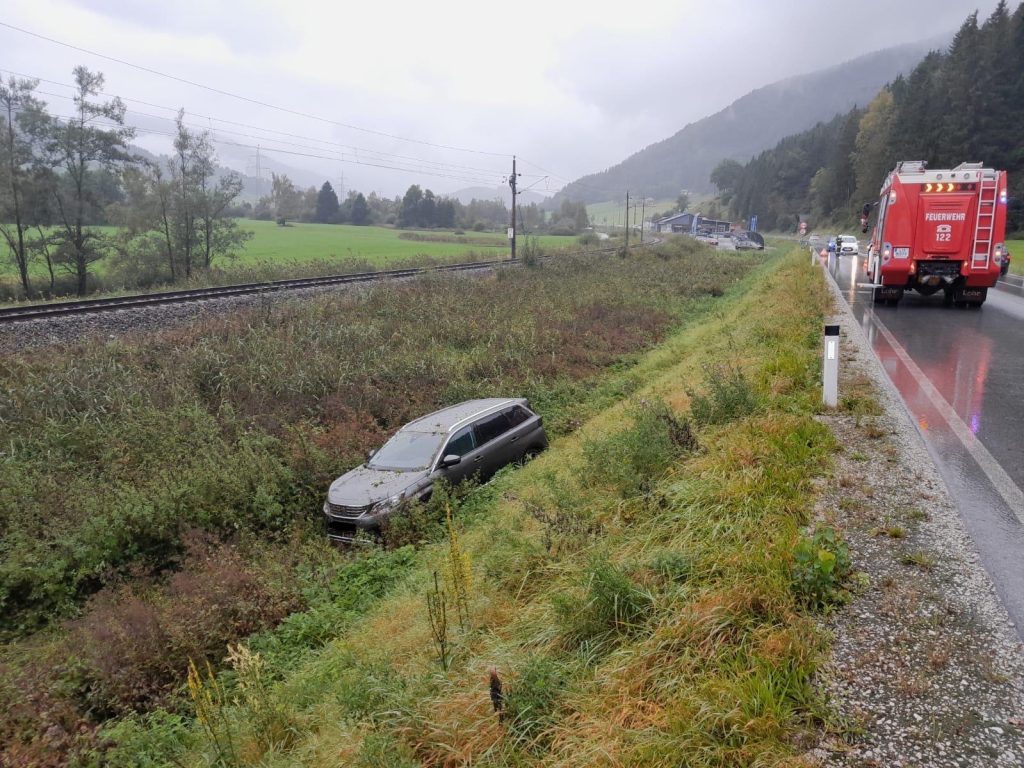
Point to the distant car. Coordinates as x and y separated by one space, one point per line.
746 244
707 238
848 244
473 439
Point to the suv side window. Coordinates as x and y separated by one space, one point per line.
491 427
461 443
517 415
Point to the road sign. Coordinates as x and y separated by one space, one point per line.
511 232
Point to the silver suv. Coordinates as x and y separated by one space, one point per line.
473 439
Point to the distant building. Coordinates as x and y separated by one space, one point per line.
680 222
691 222
712 226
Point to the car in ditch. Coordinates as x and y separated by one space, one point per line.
471 440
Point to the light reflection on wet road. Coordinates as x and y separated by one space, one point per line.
972 414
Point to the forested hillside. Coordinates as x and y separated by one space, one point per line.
747 126
962 105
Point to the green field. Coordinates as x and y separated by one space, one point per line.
317 242
298 243
296 250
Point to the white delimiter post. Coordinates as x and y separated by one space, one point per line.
830 360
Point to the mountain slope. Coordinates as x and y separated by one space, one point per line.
749 125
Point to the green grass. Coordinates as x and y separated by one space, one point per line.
663 629
1016 247
300 249
299 243
119 455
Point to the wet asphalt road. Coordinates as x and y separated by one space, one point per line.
960 373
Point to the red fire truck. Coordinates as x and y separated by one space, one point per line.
938 230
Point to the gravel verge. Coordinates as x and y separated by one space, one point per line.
926 668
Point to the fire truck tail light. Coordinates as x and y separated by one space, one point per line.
1002 197
887 252
997 253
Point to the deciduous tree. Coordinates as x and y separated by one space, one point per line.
81 148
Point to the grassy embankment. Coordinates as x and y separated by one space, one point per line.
634 588
160 494
1016 247
307 249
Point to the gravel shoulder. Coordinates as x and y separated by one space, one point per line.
926 667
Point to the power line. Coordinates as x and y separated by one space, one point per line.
479 178
276 150
248 99
438 163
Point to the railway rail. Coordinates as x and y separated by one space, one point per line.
57 309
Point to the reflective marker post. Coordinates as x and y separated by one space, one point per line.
830 374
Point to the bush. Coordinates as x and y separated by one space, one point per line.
728 395
613 606
531 701
631 461
588 238
821 563
149 741
671 566
531 252
135 643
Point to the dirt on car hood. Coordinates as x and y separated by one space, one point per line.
364 486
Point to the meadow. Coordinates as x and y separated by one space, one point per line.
302 249
161 493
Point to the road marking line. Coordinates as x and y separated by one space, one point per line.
1002 482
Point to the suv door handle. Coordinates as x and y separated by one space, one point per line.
479 458
514 439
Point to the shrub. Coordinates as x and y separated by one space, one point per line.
531 252
531 700
728 395
630 461
148 741
588 238
135 642
613 606
672 566
821 564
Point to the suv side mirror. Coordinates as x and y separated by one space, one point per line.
450 460
370 454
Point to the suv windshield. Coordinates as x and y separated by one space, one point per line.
407 451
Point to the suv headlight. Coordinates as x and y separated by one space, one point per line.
387 504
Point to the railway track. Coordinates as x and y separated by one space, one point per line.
51 310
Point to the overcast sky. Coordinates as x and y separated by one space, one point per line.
569 87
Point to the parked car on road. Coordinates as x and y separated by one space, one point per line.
473 439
